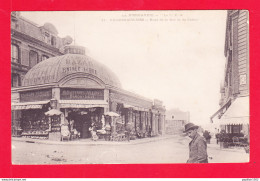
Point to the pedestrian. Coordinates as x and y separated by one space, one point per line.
93 131
197 146
128 129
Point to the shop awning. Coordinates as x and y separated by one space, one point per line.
223 108
128 106
237 113
136 108
82 103
28 105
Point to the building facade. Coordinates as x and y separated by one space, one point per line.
175 121
233 114
31 44
75 84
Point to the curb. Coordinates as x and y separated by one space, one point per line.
93 143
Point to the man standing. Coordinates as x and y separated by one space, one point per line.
197 146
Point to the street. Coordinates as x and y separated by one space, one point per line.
170 150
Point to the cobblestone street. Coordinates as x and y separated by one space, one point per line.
148 150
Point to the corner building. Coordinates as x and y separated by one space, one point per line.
30 45
83 89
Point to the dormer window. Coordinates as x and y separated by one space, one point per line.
44 57
53 41
47 34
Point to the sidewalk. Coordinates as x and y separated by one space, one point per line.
89 141
213 145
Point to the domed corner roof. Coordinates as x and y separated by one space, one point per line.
51 28
54 69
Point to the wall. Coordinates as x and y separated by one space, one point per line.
30 37
237 56
243 52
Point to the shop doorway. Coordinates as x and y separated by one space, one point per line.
81 119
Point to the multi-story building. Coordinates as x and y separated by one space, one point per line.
234 101
31 44
82 88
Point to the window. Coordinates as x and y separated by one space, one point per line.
53 40
46 37
44 57
33 58
16 80
236 129
15 53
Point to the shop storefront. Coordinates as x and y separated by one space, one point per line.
82 90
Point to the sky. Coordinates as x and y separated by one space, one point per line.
174 56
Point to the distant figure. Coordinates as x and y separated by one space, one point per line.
197 146
71 124
150 131
93 131
128 129
65 133
103 121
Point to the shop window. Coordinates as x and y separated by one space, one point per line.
16 80
33 58
44 57
15 53
236 128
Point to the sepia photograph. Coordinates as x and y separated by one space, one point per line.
130 87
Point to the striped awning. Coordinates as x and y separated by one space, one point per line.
235 120
82 103
28 105
237 113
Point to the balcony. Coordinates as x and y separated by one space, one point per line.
20 67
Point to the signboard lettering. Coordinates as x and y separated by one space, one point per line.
77 94
37 95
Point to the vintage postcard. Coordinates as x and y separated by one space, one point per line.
130 87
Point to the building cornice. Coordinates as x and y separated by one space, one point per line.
34 41
29 88
128 93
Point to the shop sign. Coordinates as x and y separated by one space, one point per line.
37 95
242 79
21 107
80 94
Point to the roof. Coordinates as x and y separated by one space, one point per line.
54 69
51 28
